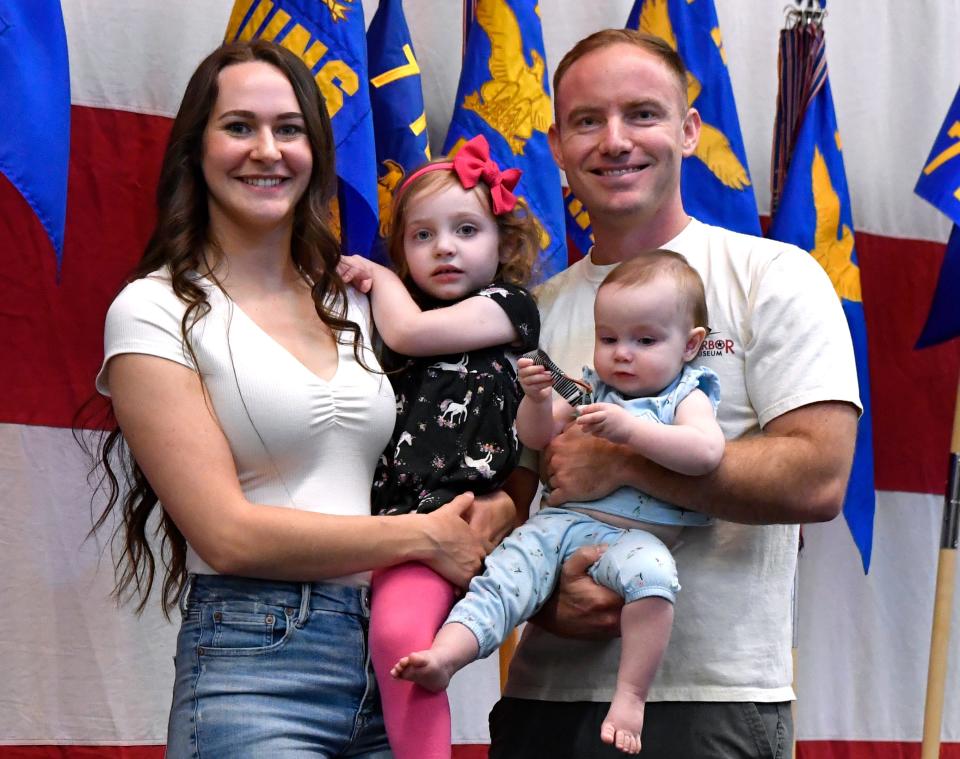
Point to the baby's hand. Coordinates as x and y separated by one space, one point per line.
606 420
535 380
357 271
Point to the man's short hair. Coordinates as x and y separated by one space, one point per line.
608 37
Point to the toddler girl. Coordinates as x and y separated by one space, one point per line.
462 246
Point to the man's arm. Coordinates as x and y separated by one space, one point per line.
795 471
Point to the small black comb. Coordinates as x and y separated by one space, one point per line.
575 392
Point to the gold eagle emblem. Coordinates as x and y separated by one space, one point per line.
833 246
386 184
514 102
713 148
338 10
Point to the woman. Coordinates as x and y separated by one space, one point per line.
254 412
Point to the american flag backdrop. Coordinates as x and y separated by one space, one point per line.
82 678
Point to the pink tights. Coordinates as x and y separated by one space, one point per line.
408 604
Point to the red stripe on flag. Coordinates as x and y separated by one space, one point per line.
53 331
869 750
913 392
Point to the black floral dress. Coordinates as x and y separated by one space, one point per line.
455 427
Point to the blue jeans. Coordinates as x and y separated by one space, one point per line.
276 669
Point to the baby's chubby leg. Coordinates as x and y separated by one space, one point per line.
453 648
639 567
645 626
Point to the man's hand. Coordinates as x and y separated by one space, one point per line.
579 607
582 467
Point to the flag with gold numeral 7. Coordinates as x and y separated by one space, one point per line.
396 95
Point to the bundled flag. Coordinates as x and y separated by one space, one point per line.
396 96
35 128
504 94
811 209
328 36
939 184
715 182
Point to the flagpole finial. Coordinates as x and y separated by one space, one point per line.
805 13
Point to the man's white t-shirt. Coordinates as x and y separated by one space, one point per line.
778 340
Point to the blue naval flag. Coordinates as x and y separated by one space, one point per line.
939 184
814 213
504 94
396 95
715 182
35 128
329 38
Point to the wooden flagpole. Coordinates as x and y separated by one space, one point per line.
943 601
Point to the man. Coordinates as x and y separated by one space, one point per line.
789 411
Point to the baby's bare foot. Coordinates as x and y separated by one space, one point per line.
624 722
424 668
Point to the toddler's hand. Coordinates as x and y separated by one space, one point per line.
357 271
535 380
606 420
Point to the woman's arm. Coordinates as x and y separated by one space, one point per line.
171 430
692 445
467 325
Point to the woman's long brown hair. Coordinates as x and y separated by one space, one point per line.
178 244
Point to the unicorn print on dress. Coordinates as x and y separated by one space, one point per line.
407 438
481 465
453 413
460 367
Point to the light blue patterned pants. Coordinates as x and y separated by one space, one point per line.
521 573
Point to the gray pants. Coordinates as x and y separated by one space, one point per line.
526 729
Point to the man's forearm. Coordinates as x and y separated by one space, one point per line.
794 472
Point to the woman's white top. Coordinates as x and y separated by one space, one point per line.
297 440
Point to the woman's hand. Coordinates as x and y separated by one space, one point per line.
458 551
492 516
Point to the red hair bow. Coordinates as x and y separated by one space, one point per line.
472 163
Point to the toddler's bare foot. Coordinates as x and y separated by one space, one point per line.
624 722
425 668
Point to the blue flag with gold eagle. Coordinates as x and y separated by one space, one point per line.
939 184
714 182
35 128
813 212
504 94
329 38
396 95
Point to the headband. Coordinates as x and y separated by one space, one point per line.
471 164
